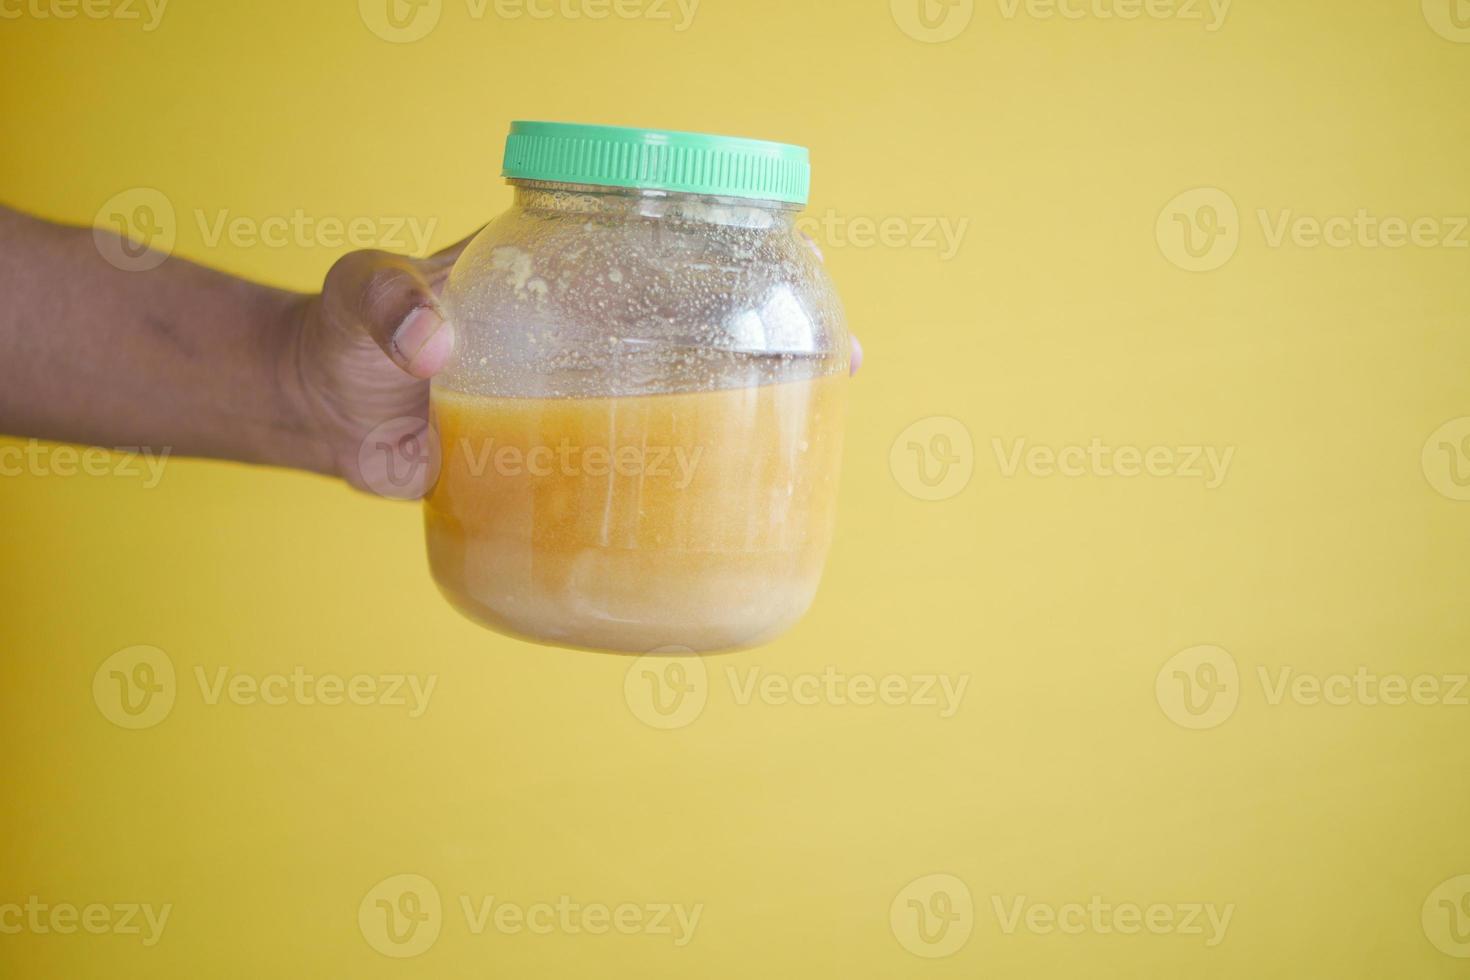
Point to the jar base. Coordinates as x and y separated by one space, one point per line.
563 628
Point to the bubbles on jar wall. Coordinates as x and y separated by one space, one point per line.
692 297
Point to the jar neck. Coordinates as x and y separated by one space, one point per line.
631 202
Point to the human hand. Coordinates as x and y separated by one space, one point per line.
363 355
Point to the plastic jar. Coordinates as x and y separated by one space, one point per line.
640 431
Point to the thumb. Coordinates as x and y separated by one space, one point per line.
387 298
394 300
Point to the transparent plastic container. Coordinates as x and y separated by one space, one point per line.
640 431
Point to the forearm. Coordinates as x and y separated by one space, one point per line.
178 357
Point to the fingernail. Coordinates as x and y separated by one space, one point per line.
421 342
857 356
434 355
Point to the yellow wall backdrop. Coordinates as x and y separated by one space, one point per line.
1208 720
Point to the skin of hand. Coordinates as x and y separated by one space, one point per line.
364 351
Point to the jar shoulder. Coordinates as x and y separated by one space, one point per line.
608 296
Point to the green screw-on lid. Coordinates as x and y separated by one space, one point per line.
657 159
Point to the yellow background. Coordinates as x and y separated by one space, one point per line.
1060 319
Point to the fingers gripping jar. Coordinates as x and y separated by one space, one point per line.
641 427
